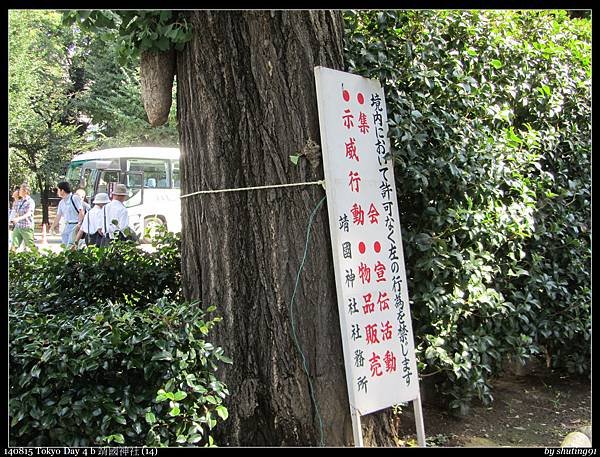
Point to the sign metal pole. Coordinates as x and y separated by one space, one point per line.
419 420
356 428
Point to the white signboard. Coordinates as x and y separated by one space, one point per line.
375 318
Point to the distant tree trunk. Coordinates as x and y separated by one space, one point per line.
44 191
246 102
44 194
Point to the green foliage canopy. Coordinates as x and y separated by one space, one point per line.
112 98
137 30
44 127
69 92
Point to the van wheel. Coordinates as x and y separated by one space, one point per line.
152 224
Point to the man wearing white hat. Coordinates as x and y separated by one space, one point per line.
116 211
95 223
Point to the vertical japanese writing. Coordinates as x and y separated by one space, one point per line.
343 222
388 200
363 214
354 181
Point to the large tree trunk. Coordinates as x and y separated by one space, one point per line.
246 102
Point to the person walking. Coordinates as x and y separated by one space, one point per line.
116 213
95 224
86 208
11 213
71 208
22 218
15 197
86 205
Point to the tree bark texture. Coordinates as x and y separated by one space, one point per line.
246 102
44 194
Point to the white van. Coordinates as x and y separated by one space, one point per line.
151 175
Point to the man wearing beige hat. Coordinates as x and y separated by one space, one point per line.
117 212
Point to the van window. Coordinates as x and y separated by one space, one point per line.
107 181
175 174
134 181
73 172
88 182
155 171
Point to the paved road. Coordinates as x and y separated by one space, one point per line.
51 243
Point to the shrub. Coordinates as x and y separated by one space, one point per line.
73 280
118 364
490 126
114 373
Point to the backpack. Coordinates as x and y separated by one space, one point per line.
95 238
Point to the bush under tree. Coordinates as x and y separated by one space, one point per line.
490 126
103 351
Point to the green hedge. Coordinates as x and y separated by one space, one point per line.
72 280
490 126
102 353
